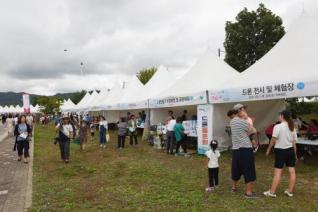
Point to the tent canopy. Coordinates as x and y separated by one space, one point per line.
289 69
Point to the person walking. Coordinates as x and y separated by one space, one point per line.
22 132
132 126
9 124
103 126
243 161
171 122
180 136
83 133
213 165
65 131
122 130
284 141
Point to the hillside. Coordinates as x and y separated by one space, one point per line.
12 98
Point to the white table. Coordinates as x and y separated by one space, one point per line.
307 142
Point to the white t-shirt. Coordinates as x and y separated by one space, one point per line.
67 129
29 120
103 123
171 124
213 158
284 137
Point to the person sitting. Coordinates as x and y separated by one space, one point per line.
269 130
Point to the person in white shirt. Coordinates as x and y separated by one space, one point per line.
103 126
171 122
213 165
66 132
284 141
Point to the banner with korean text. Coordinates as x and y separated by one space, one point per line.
270 91
26 102
205 128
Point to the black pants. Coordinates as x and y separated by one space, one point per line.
170 141
23 148
65 149
183 144
133 137
213 177
121 141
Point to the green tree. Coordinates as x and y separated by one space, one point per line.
78 96
145 75
50 104
251 36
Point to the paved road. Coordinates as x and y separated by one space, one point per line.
14 183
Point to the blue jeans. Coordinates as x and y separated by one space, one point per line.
102 136
65 149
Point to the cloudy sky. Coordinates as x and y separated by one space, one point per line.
113 38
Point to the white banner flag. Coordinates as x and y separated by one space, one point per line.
26 102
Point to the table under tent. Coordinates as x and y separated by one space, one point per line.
288 70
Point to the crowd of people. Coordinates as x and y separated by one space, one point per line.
70 126
282 137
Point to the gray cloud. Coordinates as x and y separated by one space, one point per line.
113 37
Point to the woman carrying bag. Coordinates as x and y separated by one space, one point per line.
103 126
65 130
22 132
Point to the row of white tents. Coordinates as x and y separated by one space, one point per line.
288 70
18 109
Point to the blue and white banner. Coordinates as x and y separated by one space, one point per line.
269 91
205 128
173 101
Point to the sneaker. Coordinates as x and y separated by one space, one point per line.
233 190
104 146
209 189
269 194
101 145
288 193
250 196
255 148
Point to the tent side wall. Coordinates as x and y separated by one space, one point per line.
158 115
265 112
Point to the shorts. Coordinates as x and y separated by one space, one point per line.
284 157
243 163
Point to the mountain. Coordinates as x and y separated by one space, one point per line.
12 98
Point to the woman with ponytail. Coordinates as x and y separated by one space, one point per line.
284 141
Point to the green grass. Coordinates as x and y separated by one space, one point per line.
145 179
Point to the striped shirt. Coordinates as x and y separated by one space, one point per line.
239 129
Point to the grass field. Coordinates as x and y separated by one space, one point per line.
145 179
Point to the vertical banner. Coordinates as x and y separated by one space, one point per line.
26 102
205 130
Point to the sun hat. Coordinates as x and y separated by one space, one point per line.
65 116
239 106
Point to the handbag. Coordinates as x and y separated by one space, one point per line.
107 137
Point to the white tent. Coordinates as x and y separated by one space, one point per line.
133 89
191 89
67 105
208 73
86 105
82 102
289 69
95 103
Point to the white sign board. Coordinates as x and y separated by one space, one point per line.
205 129
193 99
26 102
271 91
